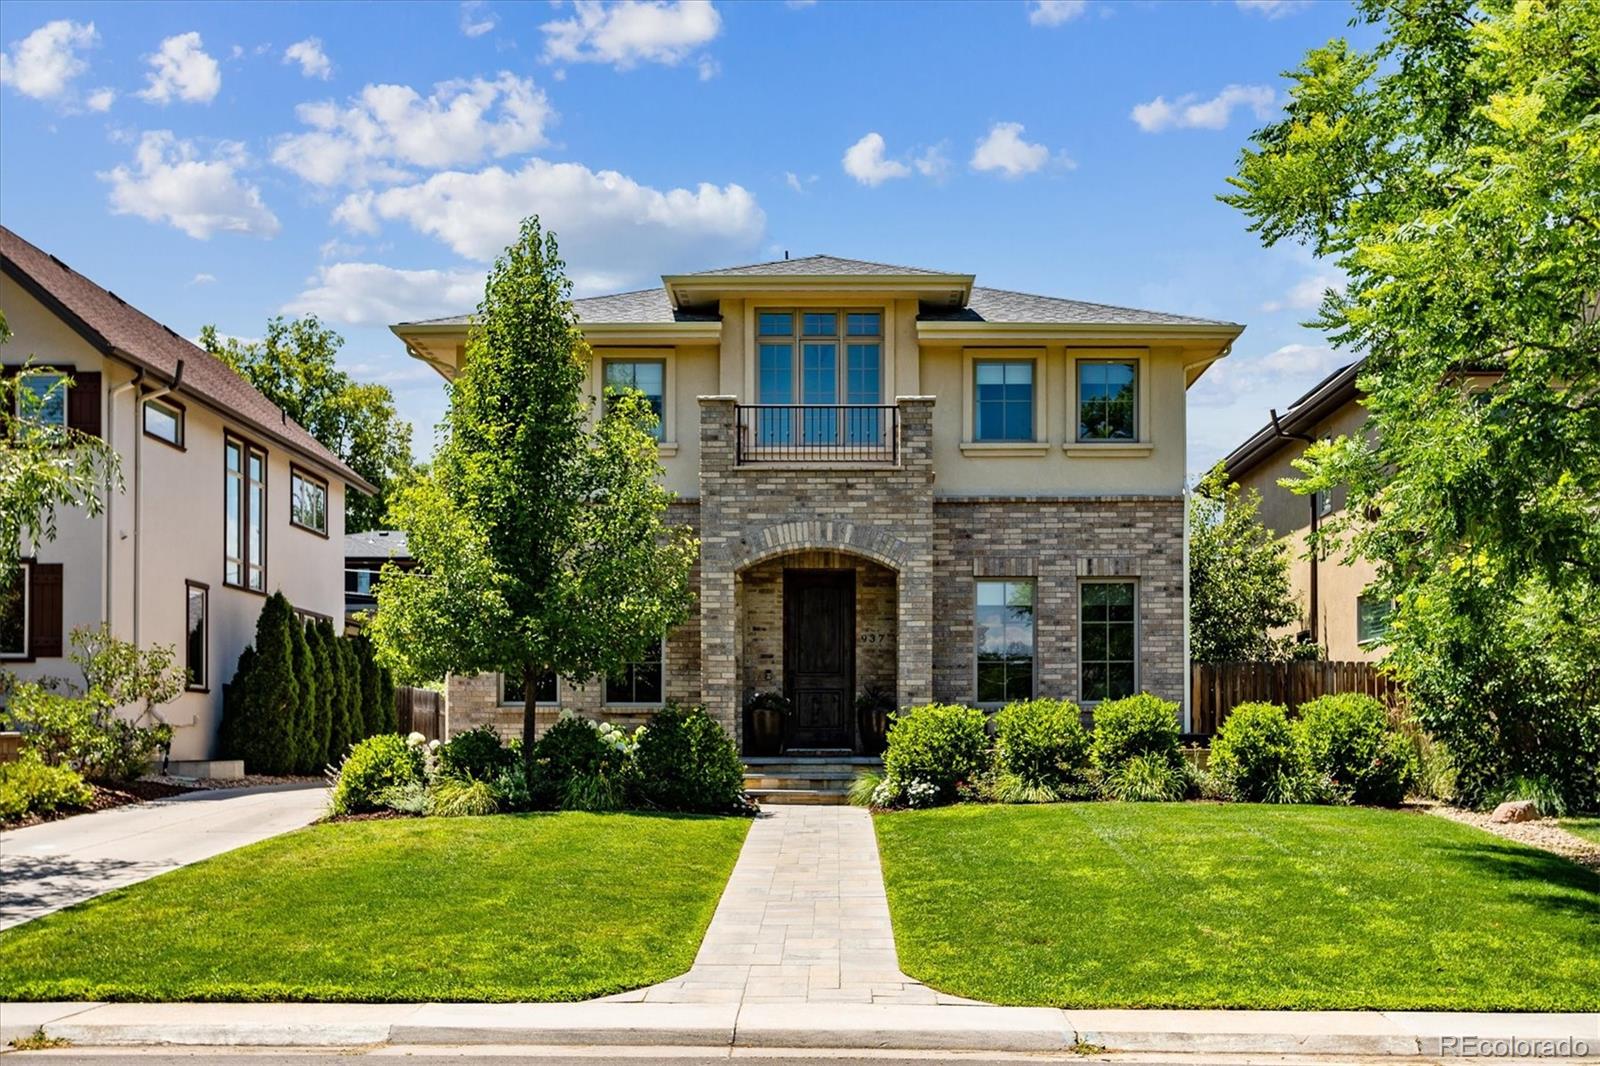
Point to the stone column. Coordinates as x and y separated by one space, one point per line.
719 615
915 531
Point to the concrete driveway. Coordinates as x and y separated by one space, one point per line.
46 867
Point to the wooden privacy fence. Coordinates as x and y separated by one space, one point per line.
1217 688
420 710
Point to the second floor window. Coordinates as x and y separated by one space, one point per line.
648 376
1108 392
308 501
245 524
164 421
638 682
819 357
1002 400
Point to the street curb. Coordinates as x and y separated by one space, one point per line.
799 1026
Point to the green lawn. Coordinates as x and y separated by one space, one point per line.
1585 825
1211 905
514 907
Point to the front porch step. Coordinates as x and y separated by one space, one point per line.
792 778
821 797
806 779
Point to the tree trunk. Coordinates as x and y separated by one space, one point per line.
530 702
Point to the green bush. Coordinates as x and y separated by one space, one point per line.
685 761
1347 740
373 766
570 748
1040 743
83 733
347 670
940 744
320 637
1146 778
600 793
1255 755
304 728
476 755
1133 726
454 797
29 786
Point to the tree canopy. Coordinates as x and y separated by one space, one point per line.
294 365
539 531
1452 172
1238 577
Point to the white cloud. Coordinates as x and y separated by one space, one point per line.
707 68
100 100
1003 149
182 70
1055 12
613 230
44 63
1275 378
796 182
1304 295
203 279
865 161
369 294
387 129
1272 9
932 162
629 32
169 182
314 62
1190 112
476 18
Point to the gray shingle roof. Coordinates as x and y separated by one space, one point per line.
1002 305
815 264
376 544
645 305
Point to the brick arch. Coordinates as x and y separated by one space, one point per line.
783 538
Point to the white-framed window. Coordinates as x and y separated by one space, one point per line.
648 376
197 635
1108 639
512 694
1373 614
14 614
164 421
1004 625
1003 400
1108 400
308 501
639 682
245 515
46 401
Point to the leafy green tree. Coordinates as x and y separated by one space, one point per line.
1452 172
43 467
540 536
1238 577
295 367
263 702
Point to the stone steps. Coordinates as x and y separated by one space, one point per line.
788 779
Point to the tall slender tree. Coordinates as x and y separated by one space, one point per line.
540 530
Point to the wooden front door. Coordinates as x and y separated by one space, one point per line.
819 660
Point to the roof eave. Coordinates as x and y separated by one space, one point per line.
678 285
1222 333
1338 390
609 331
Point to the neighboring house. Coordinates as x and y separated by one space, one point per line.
1336 611
364 555
225 499
899 480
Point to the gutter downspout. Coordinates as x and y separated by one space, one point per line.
106 582
1316 522
138 493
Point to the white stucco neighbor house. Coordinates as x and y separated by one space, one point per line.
225 499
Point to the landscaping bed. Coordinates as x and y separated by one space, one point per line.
533 907
1236 905
104 798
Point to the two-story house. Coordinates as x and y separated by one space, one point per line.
899 480
225 499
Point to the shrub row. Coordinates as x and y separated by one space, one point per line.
29 786
682 761
302 695
1341 749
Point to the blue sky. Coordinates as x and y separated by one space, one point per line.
221 163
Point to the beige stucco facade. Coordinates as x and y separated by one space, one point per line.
131 565
912 529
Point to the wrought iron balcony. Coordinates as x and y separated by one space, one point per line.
818 433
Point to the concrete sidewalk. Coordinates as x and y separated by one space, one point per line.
52 865
832 1025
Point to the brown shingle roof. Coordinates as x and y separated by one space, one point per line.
123 332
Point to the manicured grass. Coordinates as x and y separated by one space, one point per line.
515 907
1585 825
1210 905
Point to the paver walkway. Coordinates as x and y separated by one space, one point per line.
804 919
46 867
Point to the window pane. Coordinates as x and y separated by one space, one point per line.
858 324
14 614
196 647
639 682
1107 400
776 324
1004 622
864 375
163 422
820 324
777 373
230 452
1003 409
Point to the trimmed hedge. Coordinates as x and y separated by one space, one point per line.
937 744
685 761
1134 726
373 767
1042 743
1347 739
1256 757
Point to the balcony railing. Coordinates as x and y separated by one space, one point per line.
818 433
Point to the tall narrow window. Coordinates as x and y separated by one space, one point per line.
308 501
245 525
648 376
14 614
1108 637
1004 623
42 398
1002 400
1108 392
197 638
638 682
